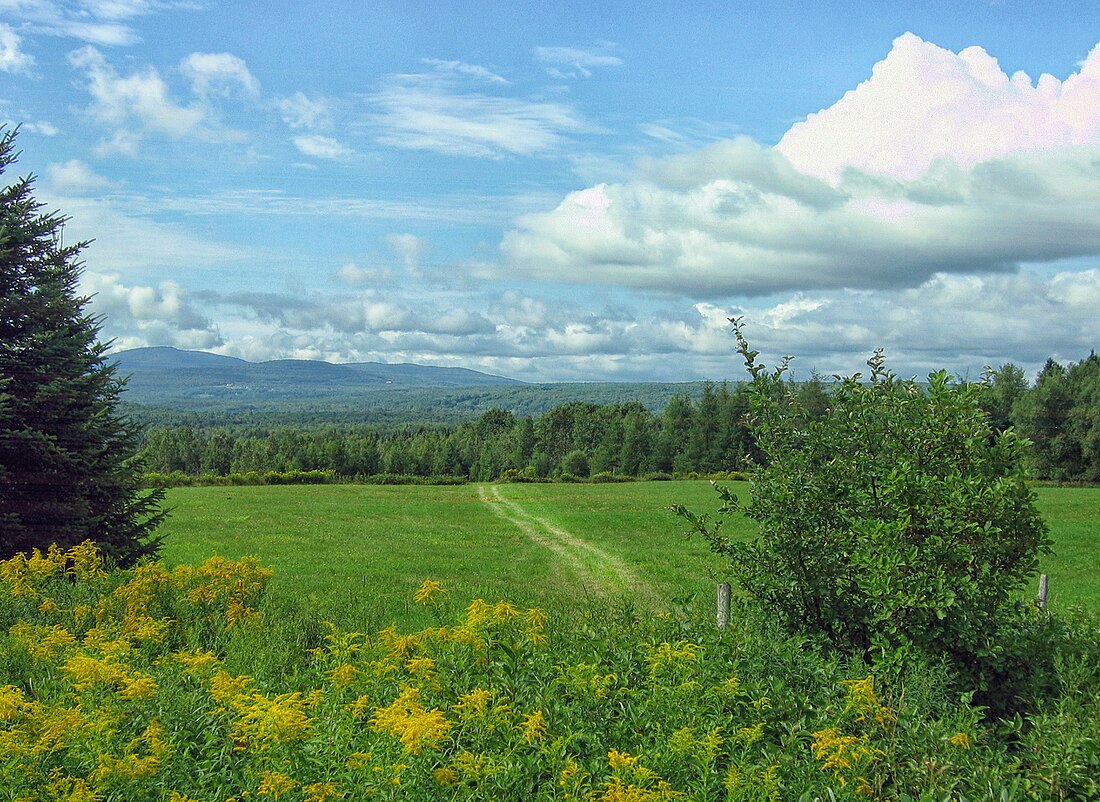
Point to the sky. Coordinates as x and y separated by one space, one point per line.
573 191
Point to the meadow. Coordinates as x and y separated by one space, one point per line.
497 642
355 552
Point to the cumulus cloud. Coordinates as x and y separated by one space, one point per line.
923 103
12 57
573 62
852 197
427 112
142 101
144 315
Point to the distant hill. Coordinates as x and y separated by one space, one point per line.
169 376
170 387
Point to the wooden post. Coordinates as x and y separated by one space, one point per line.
723 604
1044 586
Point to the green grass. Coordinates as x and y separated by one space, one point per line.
1073 514
357 552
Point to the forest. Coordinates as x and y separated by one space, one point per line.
1059 413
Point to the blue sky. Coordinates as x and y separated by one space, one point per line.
573 191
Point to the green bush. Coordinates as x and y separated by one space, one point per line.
895 524
605 477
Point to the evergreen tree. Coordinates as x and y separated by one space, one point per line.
67 467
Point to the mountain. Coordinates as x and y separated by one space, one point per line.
170 377
169 387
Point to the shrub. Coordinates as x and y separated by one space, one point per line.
895 524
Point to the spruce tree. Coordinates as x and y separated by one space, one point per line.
68 470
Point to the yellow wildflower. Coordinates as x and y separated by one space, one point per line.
321 792
533 726
360 707
682 741
960 739
198 661
139 686
263 722
275 784
472 703
445 776
44 643
410 722
428 590
12 702
504 611
343 675
420 665
864 702
225 688
622 760
477 613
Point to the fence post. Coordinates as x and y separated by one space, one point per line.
723 604
1044 587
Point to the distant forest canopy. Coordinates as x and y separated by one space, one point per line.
1059 413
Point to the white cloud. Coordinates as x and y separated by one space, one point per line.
141 96
97 22
571 62
302 112
12 57
357 276
883 209
144 315
424 112
923 103
75 176
410 250
218 73
142 101
322 147
461 67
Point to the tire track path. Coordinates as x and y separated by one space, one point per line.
597 570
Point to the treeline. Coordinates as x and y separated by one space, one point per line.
1059 413
577 439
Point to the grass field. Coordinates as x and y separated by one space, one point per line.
356 552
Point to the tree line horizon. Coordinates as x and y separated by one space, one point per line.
1059 413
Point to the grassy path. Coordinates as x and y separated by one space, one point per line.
599 571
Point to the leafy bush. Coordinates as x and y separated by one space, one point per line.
605 477
894 524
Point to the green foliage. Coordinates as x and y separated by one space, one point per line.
893 524
67 467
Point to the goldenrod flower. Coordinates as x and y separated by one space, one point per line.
263 722
321 792
343 674
533 726
410 722
428 590
960 739
472 703
275 784
445 776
